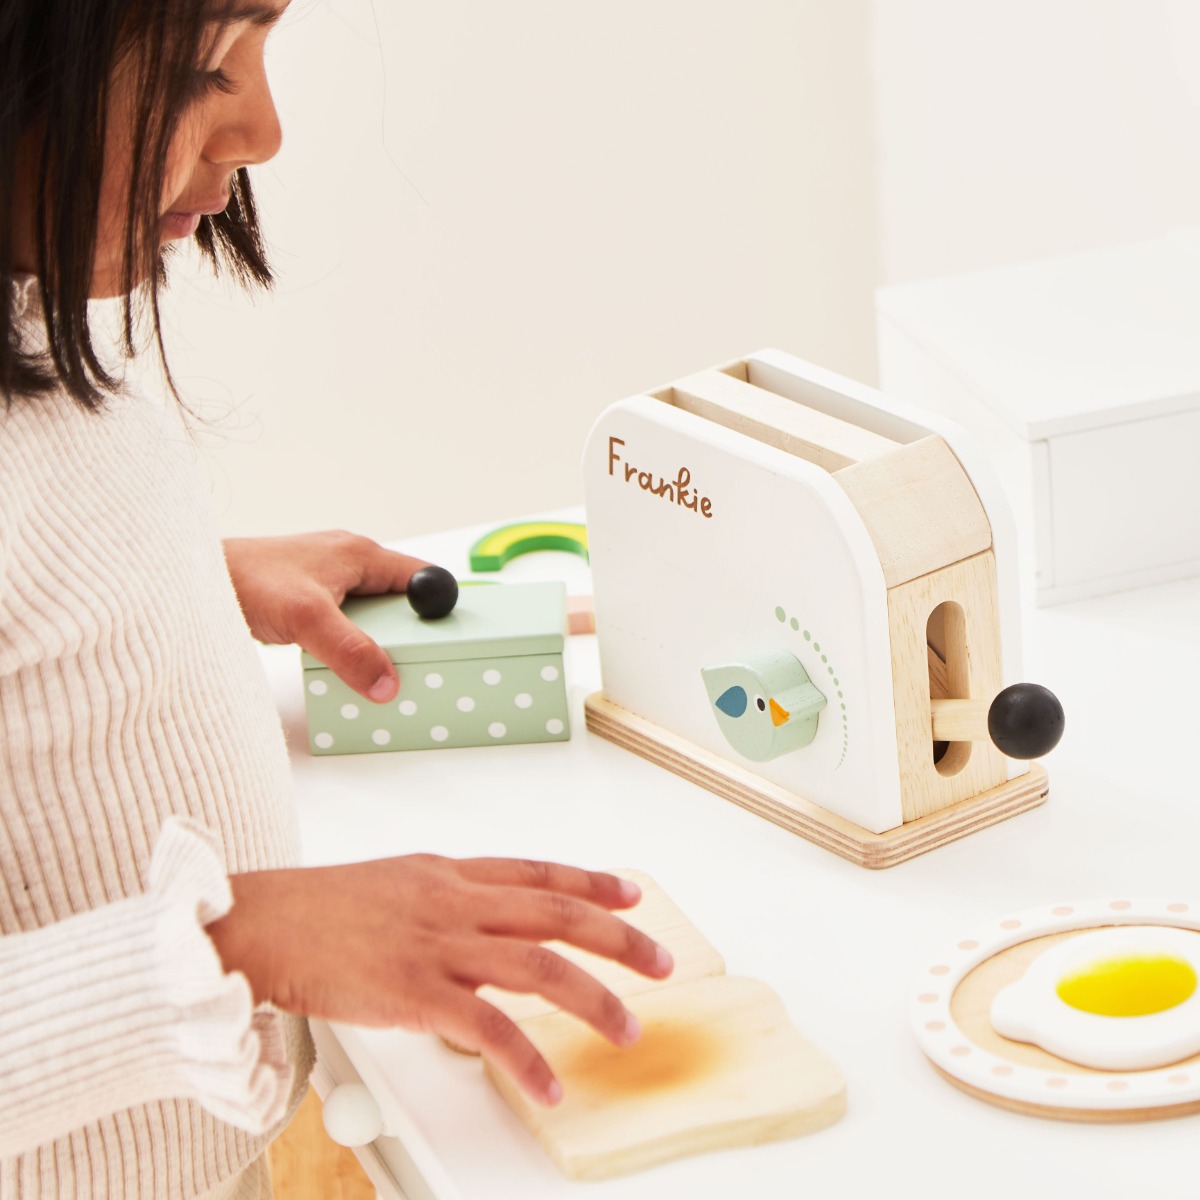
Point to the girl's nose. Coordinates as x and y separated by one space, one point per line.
248 129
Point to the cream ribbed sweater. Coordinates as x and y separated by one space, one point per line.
141 759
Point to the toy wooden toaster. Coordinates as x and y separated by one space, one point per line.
490 672
806 602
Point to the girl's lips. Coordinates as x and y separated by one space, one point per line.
180 225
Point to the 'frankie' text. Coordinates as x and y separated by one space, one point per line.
678 490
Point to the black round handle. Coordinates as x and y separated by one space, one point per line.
1026 720
432 592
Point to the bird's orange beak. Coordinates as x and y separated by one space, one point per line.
779 715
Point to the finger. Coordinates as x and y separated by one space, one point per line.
597 887
468 1021
522 967
381 570
552 916
332 638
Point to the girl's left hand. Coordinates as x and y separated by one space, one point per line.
291 589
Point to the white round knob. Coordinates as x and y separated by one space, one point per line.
351 1116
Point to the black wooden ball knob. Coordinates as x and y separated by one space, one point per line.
1026 721
432 592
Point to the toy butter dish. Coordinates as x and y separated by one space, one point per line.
489 672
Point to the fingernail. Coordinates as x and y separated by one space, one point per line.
384 688
630 891
554 1092
663 960
633 1029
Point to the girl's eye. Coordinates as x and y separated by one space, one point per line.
207 82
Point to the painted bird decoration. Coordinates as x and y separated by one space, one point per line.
766 705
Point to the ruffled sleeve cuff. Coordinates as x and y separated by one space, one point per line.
233 1058
129 1003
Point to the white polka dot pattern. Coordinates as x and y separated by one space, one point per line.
456 702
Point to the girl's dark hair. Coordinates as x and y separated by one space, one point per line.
57 58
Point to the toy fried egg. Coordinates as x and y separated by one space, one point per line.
1123 999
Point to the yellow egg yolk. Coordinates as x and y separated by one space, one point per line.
1132 985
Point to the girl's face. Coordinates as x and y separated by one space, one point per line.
230 123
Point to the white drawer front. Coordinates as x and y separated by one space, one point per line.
1125 501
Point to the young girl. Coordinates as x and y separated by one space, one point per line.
154 930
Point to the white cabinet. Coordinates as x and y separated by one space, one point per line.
1081 377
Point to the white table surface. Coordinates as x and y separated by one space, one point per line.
841 945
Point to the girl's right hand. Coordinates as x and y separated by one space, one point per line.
407 941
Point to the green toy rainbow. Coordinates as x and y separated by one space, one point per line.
502 545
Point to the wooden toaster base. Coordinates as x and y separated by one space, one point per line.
741 785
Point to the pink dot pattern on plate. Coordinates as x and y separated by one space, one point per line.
1004 1070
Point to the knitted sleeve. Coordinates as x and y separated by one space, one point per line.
129 1003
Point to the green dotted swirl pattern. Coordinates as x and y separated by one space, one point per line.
782 617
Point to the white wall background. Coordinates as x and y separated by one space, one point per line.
490 220
1028 128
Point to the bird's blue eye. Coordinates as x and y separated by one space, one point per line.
732 701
